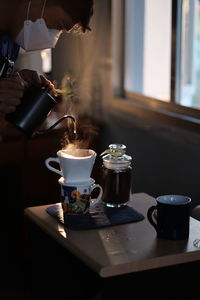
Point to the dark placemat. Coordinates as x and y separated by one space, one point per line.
98 216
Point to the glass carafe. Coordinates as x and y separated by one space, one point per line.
116 176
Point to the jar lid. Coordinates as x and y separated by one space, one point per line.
115 157
115 150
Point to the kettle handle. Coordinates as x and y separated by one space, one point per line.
54 159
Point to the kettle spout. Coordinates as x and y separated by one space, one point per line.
57 122
61 119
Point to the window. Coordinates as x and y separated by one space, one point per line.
148 47
189 94
156 53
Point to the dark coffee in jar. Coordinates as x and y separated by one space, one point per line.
116 176
116 186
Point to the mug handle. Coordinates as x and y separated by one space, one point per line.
54 159
151 215
95 186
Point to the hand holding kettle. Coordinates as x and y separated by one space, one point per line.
35 105
13 87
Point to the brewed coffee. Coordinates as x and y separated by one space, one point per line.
116 176
116 186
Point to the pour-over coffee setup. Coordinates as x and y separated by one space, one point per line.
75 168
77 186
79 209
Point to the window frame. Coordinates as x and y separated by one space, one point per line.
172 112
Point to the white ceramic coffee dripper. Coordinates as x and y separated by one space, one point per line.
75 165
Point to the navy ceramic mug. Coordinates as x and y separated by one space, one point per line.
171 217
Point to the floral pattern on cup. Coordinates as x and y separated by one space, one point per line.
76 199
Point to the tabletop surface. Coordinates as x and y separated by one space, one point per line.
123 248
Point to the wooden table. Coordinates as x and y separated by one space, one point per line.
121 249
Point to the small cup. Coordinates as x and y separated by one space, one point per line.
74 165
171 217
76 198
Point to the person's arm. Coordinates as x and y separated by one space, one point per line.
12 88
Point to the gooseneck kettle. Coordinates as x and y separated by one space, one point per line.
35 106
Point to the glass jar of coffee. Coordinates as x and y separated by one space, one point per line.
116 176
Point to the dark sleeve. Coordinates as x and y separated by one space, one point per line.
8 48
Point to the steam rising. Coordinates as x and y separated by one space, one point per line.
81 134
84 137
